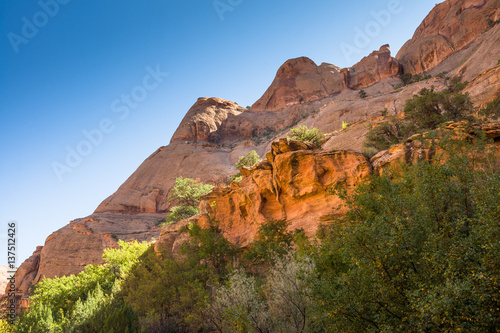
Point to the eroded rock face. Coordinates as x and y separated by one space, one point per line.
450 26
204 119
300 80
370 70
24 278
294 184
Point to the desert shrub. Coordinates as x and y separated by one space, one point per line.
345 124
187 191
236 178
387 134
362 94
369 152
282 302
237 307
424 111
429 108
289 293
303 133
249 160
409 78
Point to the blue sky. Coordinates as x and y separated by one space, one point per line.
67 67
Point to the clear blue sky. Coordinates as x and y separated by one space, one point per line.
67 70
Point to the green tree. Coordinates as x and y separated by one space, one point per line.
363 94
186 192
491 111
424 111
171 293
303 133
387 134
93 296
249 160
272 239
416 251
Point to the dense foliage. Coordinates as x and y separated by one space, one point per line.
186 193
170 292
416 252
88 302
303 133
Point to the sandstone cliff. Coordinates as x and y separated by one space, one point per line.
450 27
293 183
301 80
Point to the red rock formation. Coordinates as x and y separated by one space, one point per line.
293 184
300 80
370 70
204 118
450 26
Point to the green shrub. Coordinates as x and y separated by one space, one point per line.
345 125
491 111
178 213
369 152
387 134
424 111
362 94
187 191
249 160
303 133
236 178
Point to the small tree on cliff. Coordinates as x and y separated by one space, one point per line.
424 111
186 192
249 160
303 133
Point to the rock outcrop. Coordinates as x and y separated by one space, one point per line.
300 80
450 27
293 184
204 118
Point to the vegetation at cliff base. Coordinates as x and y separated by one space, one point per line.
303 133
186 193
88 302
